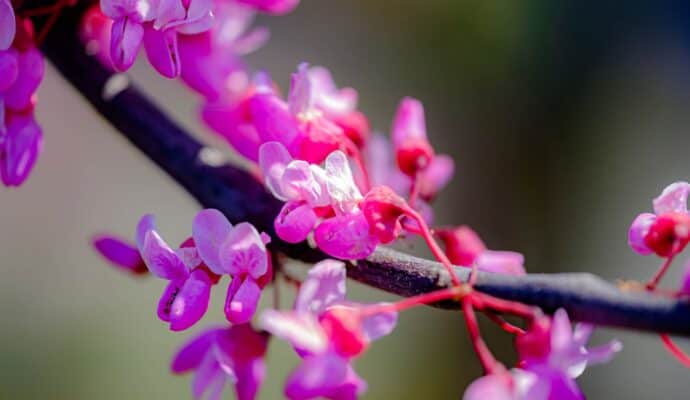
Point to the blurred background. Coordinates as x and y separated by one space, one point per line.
565 120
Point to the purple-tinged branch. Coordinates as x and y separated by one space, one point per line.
241 198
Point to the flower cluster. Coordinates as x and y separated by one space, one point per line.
21 71
216 248
551 357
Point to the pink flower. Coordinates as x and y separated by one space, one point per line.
127 31
186 297
94 32
412 149
383 170
7 24
667 231
551 357
238 251
120 253
276 7
232 355
307 190
327 331
464 247
209 60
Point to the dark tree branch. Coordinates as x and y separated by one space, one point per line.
238 195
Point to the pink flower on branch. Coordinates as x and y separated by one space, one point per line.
120 253
327 331
221 356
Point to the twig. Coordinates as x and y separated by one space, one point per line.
241 198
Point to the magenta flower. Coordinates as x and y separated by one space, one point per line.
552 355
94 32
327 331
276 7
127 32
308 190
464 247
210 62
20 145
412 149
7 24
185 299
383 170
120 253
238 251
219 356
667 231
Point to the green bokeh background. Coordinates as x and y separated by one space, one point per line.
565 119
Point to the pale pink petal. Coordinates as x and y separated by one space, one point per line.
208 375
168 12
302 330
341 185
244 252
23 144
294 222
380 324
250 376
272 118
161 50
318 376
192 353
324 286
300 182
161 260
198 18
501 262
638 231
674 198
328 98
210 229
300 97
191 302
436 176
7 24
251 41
119 252
125 41
409 122
273 159
345 237
31 69
492 387
242 300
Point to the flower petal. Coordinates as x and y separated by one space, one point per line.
208 375
7 24
244 252
31 67
210 229
345 237
436 176
9 68
167 298
324 286
380 324
273 160
191 355
272 118
638 231
192 301
275 7
250 376
125 41
674 198
318 376
341 185
242 300
409 122
160 259
300 97
501 262
23 144
119 252
294 222
161 50
302 330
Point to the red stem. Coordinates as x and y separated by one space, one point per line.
484 301
487 359
414 190
505 325
652 284
676 351
455 292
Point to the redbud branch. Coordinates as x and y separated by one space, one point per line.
241 198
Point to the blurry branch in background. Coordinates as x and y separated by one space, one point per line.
241 197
